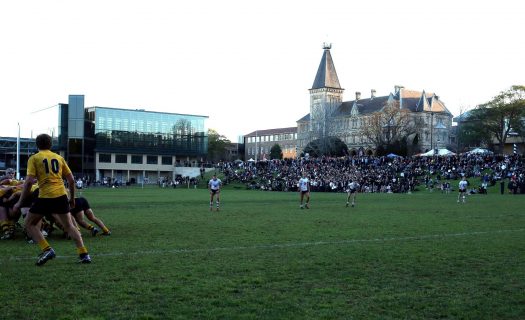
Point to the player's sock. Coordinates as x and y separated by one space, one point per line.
44 245
105 230
11 227
4 226
82 250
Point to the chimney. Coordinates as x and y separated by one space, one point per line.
398 89
357 95
373 93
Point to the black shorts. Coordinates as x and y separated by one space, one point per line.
81 204
462 190
47 206
352 190
215 191
304 192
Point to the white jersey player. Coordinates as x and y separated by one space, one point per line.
462 188
214 185
352 191
304 191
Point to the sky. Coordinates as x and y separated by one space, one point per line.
248 65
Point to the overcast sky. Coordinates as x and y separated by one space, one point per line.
248 64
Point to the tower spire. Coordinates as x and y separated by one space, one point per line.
326 76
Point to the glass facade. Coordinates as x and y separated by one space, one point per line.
154 133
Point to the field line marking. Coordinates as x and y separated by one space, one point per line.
280 245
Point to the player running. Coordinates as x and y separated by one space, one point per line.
304 191
352 191
214 185
463 184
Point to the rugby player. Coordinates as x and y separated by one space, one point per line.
304 191
352 191
48 169
82 207
463 184
214 185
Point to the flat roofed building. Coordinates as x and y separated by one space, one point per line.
130 145
259 143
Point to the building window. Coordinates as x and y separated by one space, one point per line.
136 159
121 158
152 160
167 160
104 157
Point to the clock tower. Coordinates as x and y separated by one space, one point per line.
326 93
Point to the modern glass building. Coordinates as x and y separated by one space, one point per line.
126 145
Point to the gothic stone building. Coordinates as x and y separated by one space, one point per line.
331 116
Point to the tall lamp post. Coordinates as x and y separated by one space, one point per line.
18 153
256 147
431 130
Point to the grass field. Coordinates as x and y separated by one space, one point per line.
393 256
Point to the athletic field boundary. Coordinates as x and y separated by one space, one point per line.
279 245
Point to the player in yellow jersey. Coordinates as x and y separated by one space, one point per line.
8 186
49 169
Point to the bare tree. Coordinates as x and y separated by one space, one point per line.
390 126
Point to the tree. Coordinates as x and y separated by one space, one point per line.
330 146
276 152
471 131
502 115
217 144
388 128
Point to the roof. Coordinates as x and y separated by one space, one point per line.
415 101
272 131
364 106
145 111
326 76
305 118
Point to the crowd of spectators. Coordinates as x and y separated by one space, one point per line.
380 174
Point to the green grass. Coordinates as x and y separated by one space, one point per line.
409 256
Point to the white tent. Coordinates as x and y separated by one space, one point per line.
479 151
441 152
250 160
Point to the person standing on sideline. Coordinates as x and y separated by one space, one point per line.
214 185
463 184
48 169
352 191
304 191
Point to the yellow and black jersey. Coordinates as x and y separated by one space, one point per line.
49 169
5 190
